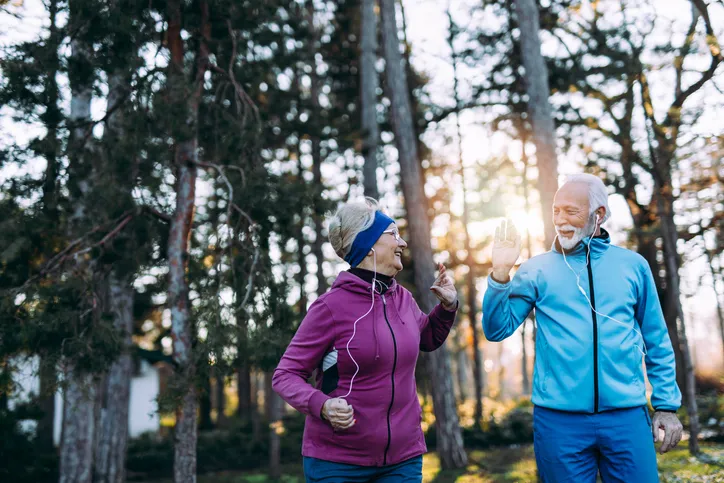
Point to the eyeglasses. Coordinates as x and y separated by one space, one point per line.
394 233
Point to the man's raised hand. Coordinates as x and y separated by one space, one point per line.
506 250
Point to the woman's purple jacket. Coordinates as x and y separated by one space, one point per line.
384 395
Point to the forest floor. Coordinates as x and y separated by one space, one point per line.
512 464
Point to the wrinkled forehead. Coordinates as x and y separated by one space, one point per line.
572 194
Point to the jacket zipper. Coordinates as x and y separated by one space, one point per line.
394 365
595 338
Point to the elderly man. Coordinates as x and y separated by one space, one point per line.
598 315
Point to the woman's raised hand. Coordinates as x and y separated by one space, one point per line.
444 289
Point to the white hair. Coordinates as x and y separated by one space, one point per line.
597 192
349 220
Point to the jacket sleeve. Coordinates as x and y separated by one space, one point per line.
314 338
435 326
506 305
660 361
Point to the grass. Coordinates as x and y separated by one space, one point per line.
503 465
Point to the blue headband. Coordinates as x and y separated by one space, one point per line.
366 239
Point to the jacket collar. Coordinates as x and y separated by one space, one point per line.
353 283
598 246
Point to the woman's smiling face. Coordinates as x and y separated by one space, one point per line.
387 254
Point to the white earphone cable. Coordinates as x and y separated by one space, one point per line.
354 329
583 291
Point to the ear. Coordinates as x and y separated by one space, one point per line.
600 215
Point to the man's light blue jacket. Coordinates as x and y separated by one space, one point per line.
586 362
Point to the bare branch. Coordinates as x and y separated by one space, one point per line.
673 115
70 251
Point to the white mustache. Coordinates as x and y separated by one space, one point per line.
566 228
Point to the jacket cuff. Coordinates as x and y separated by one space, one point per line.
316 403
444 315
662 410
452 310
495 284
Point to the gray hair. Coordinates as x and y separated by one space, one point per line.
597 192
349 220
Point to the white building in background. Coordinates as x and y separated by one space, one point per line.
143 411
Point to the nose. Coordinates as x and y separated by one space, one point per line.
402 243
558 219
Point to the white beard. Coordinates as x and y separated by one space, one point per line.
578 233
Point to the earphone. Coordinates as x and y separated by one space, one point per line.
583 291
354 329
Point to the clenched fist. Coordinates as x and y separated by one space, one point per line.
339 414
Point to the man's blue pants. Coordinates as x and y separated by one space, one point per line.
321 471
574 447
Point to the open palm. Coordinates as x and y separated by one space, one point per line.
506 247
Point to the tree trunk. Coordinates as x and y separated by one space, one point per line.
255 412
719 308
301 243
461 367
205 422
273 413
185 160
665 203
449 437
470 261
529 248
76 452
243 373
539 109
314 135
46 403
114 394
220 399
110 464
368 96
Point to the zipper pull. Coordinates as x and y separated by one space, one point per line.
384 301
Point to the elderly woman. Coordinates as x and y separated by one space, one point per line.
364 336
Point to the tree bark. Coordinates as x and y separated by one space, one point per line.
449 437
76 452
110 465
368 96
539 109
185 160
114 395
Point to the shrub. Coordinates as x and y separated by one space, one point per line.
20 459
230 448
